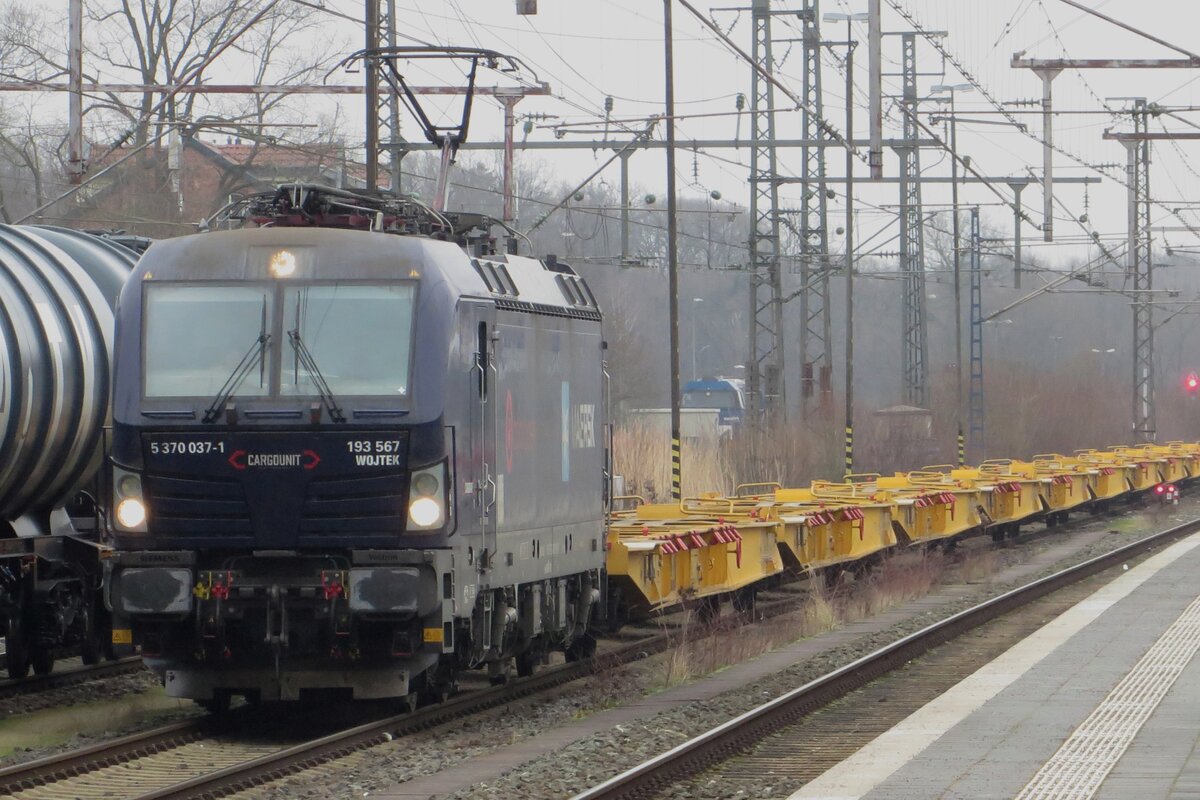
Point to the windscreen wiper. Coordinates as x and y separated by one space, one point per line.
257 352
305 357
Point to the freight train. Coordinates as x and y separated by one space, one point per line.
359 447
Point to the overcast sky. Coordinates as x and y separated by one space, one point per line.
589 50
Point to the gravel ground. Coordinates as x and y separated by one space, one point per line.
578 765
582 764
69 717
85 692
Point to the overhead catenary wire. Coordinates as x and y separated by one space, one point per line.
910 18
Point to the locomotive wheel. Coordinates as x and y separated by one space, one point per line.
582 648
618 614
526 662
17 649
438 686
219 704
42 660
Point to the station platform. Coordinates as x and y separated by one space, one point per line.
1103 701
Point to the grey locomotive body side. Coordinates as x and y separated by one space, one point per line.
280 547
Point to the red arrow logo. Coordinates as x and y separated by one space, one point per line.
236 461
313 459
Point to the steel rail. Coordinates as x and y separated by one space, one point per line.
102 754
12 687
306 755
291 760
745 730
327 748
78 762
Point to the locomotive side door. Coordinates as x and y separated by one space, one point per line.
484 425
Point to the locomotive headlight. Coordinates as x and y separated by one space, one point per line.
131 514
129 508
425 512
282 263
427 500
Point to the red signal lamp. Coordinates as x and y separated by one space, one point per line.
1159 489
1191 382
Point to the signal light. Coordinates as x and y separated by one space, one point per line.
1159 489
1191 382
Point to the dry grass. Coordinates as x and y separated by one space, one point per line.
979 566
643 457
896 580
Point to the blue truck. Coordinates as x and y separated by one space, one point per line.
726 395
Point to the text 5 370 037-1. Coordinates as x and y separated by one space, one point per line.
186 448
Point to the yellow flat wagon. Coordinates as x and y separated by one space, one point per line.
665 555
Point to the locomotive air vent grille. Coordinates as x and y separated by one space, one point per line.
575 291
495 277
547 310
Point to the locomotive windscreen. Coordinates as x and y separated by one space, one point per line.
196 336
280 340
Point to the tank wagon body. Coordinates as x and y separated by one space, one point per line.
57 292
352 460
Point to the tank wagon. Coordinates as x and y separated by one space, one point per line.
354 448
57 293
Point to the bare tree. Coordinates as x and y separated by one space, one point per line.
29 166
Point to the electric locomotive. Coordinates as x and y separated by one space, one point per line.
354 448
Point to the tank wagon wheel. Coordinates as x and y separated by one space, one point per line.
90 647
16 648
42 660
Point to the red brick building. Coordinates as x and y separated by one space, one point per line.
165 191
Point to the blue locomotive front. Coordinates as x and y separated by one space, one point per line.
317 433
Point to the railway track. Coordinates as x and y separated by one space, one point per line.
218 759
747 730
207 758
69 676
